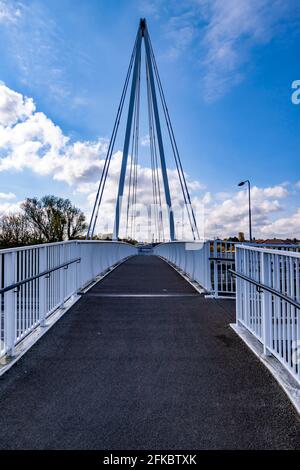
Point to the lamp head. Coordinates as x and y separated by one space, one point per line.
242 183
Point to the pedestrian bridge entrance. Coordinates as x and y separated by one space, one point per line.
143 360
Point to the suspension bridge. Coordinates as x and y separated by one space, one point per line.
175 344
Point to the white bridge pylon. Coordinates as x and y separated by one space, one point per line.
157 151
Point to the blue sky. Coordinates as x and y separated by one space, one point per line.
227 68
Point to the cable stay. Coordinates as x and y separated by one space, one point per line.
156 191
179 167
110 150
130 157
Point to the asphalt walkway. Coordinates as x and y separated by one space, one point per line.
144 362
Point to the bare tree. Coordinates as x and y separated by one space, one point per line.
53 218
14 231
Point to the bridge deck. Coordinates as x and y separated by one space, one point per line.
144 372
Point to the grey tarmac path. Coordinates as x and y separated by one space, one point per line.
156 368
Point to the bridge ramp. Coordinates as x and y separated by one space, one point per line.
143 361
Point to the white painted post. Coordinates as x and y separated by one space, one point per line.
237 288
265 302
9 303
216 287
62 276
43 286
193 264
78 267
207 264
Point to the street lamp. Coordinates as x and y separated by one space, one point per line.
249 196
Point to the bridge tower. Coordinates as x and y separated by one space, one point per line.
131 145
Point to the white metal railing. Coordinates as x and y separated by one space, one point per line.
210 263
223 261
190 257
37 280
268 301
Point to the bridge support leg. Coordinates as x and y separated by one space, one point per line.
159 136
136 69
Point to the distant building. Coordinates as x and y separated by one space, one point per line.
278 241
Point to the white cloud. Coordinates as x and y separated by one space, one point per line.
42 54
7 196
8 13
13 106
221 35
180 35
226 215
30 140
283 227
258 194
145 140
233 28
9 207
149 8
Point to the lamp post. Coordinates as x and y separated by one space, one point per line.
249 198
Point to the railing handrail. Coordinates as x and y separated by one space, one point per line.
38 280
182 241
38 245
283 245
104 241
294 254
64 242
37 276
222 258
267 288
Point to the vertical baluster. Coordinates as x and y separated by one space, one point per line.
289 310
1 308
280 303
258 296
18 295
9 304
284 336
43 286
62 277
239 310
275 298
37 251
48 284
265 302
253 291
215 265
24 290
30 286
246 300
293 311
297 340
